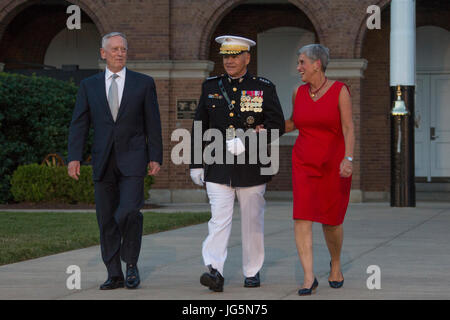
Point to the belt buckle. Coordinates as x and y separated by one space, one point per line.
230 133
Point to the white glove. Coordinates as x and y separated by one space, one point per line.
235 146
197 176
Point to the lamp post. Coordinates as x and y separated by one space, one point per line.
402 83
402 152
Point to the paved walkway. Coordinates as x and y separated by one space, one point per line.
411 246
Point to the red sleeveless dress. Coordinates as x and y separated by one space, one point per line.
320 194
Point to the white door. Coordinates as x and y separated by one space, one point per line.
422 128
432 131
440 125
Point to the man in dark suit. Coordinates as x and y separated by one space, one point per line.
123 109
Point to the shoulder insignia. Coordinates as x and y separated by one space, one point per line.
211 78
264 80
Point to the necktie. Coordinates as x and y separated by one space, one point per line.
113 97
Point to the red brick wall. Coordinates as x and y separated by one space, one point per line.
375 105
179 177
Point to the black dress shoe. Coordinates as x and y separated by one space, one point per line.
252 282
336 284
112 283
212 279
133 279
306 291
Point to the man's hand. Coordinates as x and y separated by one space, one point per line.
153 168
73 169
198 176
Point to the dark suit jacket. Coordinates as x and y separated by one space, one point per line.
136 134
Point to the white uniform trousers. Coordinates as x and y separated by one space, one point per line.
252 203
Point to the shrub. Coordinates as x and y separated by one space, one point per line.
35 114
39 183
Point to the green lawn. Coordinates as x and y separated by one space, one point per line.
28 235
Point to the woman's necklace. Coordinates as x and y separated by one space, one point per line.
314 93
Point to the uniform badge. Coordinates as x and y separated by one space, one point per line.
214 96
250 120
251 101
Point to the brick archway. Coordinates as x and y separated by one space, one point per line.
222 7
95 11
359 42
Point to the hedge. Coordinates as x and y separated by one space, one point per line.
41 183
35 114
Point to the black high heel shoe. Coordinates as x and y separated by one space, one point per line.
306 291
336 284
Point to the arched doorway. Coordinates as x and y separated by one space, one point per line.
36 40
277 41
79 48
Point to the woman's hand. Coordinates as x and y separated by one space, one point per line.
289 125
346 168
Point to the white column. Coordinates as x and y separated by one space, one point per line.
403 43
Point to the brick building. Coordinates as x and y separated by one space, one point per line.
172 40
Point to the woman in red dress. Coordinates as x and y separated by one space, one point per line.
321 161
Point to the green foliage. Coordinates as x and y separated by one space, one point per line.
35 114
40 183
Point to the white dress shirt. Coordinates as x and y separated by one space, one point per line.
120 80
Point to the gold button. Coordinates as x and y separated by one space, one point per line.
233 102
213 105
234 89
231 114
231 126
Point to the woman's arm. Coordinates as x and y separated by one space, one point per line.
345 109
289 123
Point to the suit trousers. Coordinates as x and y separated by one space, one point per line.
118 200
251 201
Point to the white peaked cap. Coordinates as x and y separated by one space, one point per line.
234 44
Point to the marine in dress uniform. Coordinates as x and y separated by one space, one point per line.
236 100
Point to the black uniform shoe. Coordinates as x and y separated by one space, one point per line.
112 283
133 279
252 282
212 279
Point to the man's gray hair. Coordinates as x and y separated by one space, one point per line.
113 34
316 52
